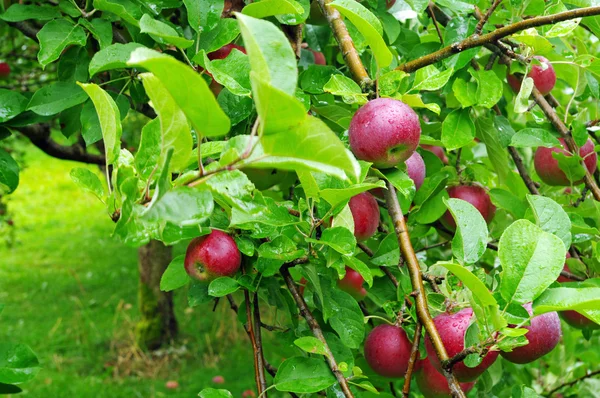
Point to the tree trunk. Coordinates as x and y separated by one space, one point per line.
158 324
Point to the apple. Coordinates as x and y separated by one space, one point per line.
385 132
475 195
319 57
352 283
544 77
561 278
4 70
211 256
432 383
452 329
387 350
415 168
543 335
578 321
437 151
224 51
265 178
547 167
365 213
389 3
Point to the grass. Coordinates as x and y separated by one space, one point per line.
70 294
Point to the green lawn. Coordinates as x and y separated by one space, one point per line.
70 294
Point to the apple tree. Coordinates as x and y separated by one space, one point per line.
409 188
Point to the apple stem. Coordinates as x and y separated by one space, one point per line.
573 382
414 352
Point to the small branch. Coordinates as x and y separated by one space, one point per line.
569 275
433 281
572 383
435 23
315 328
475 349
414 353
443 243
487 16
27 29
365 249
523 170
259 348
258 370
580 199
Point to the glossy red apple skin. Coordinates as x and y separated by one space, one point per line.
544 334
437 151
389 3
415 168
352 283
543 80
452 329
4 70
387 350
211 256
224 51
319 57
578 321
432 383
365 213
475 195
385 132
547 167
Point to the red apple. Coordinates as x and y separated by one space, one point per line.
437 151
578 321
547 167
385 132
389 3
432 383
387 350
319 57
475 195
365 213
415 168
211 256
543 79
224 51
452 329
543 335
4 70
352 283
561 278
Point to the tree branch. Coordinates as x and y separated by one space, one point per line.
476 41
260 357
316 330
414 270
572 383
26 28
414 353
487 16
523 170
250 329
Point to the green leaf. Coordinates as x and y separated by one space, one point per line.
9 172
567 298
522 99
18 363
203 15
465 92
534 137
570 165
175 129
390 84
11 104
214 393
416 101
339 239
268 8
198 293
531 38
88 181
55 36
509 202
491 134
551 217
311 345
531 261
101 29
90 123
562 28
296 18
73 65
359 267
127 10
344 315
470 240
162 32
472 282
55 98
369 26
226 30
223 286
489 88
232 72
188 89
303 375
23 12
148 154
281 248
336 196
112 57
175 275
431 79
346 88
182 206
110 120
458 129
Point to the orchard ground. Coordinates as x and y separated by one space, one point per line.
70 292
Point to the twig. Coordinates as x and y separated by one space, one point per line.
572 276
316 330
480 348
259 348
414 352
435 23
457 164
434 281
476 41
523 170
414 270
491 61
423 249
487 16
580 199
365 249
572 383
258 370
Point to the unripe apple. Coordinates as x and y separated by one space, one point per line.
544 334
387 350
437 151
452 329
319 57
265 178
547 167
385 132
432 383
211 256
475 195
4 70
543 79
224 51
365 213
352 283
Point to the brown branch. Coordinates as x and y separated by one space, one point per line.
316 330
423 249
414 270
492 37
581 198
435 22
250 329
433 281
487 16
27 29
572 276
365 249
523 170
351 57
475 349
260 360
572 383
414 353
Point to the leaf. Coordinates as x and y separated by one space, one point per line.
534 137
465 92
112 57
562 28
223 286
472 282
311 345
101 29
88 181
489 88
522 99
509 202
162 32
567 298
203 15
18 363
268 8
415 101
182 206
110 120
570 165
73 65
458 129
368 25
303 375
336 196
346 88
226 30
431 79
127 10
470 240
55 36
214 393
232 72
175 129
55 98
188 89
531 261
23 12
175 275
89 122
390 84
148 154
339 239
344 315
270 53
551 217
359 267
11 104
281 248
9 173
